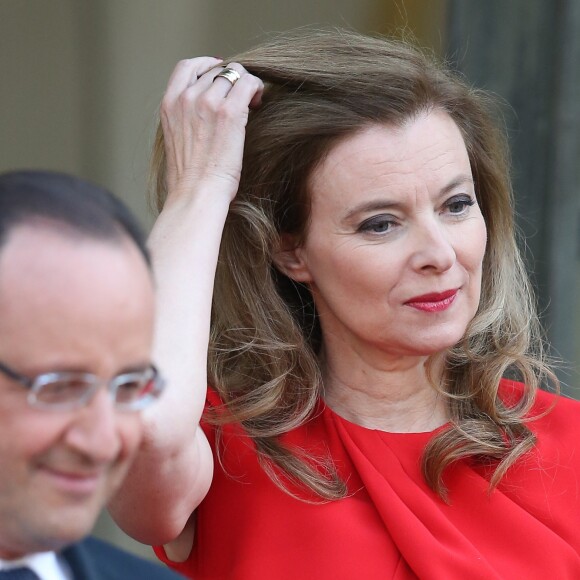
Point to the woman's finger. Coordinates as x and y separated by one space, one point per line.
215 84
221 82
228 76
186 73
204 123
248 90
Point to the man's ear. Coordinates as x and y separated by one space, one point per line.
289 259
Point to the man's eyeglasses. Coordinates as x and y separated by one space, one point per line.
130 391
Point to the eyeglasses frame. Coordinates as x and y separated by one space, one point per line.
34 384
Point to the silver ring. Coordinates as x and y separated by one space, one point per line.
230 74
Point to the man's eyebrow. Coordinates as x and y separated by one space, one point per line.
386 204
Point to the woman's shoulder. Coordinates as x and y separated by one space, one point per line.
552 417
545 402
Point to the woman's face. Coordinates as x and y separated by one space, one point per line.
394 248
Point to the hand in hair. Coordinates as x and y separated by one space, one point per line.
204 120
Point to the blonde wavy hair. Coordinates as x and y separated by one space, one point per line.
320 88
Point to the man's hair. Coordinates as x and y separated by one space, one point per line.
68 204
322 87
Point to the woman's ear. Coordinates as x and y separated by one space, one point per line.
289 259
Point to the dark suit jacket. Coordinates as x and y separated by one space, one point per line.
93 559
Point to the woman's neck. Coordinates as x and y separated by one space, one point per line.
396 396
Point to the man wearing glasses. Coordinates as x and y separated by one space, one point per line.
76 323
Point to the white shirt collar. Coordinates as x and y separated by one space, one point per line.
45 564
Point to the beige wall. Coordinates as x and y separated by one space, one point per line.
40 99
82 81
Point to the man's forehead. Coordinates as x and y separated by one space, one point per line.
40 262
41 237
54 286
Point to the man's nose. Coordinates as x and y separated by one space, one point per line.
94 430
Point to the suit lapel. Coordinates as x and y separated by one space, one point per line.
79 560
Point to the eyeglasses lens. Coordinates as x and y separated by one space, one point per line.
69 390
58 392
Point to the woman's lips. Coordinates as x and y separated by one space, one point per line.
434 302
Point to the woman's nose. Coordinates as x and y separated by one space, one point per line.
433 248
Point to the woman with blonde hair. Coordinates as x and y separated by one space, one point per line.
336 242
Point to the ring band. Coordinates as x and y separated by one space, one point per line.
230 74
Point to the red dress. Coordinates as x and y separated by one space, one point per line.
392 525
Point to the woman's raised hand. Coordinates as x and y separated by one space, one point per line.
203 116
203 119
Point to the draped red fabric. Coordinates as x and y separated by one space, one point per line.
392 525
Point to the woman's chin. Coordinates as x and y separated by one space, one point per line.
432 346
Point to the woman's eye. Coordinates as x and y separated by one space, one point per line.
377 225
458 205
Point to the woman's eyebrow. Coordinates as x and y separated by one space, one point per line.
370 206
381 204
460 180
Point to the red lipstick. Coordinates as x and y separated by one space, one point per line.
434 302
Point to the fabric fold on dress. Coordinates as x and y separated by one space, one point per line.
392 525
